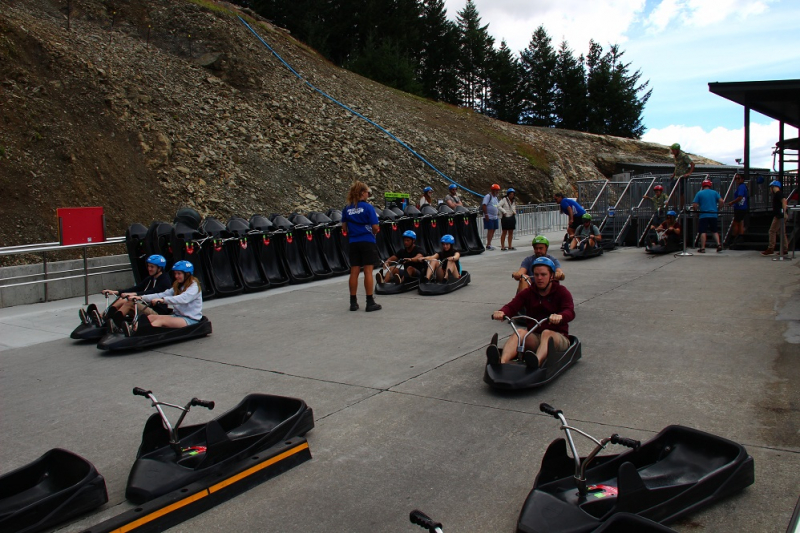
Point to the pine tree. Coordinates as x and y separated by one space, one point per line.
570 105
505 79
476 45
438 54
538 62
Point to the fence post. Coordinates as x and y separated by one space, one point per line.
44 267
85 278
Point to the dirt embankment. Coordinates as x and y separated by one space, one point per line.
143 106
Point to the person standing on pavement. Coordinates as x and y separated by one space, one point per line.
741 206
452 199
778 210
489 207
427 192
684 166
360 221
508 219
708 201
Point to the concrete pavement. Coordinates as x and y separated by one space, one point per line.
403 418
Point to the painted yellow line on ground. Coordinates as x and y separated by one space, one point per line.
250 471
161 512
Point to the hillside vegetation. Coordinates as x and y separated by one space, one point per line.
143 106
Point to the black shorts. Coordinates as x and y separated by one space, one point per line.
364 254
708 225
508 223
739 215
576 222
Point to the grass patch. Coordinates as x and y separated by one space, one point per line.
537 158
213 7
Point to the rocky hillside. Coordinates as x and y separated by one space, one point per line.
142 106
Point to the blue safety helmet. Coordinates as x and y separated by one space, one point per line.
776 183
157 260
453 186
510 190
427 189
183 266
671 213
448 239
410 234
546 262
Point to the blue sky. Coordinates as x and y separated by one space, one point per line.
680 46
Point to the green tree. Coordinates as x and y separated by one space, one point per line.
505 79
616 96
570 104
538 62
476 45
438 54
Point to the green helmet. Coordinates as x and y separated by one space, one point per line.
675 146
586 216
540 239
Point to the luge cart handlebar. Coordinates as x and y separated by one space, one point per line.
425 522
580 466
174 441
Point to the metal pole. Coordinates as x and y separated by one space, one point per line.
85 278
684 253
44 266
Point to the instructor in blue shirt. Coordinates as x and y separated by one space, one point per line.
708 201
360 222
572 209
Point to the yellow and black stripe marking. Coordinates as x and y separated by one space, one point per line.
178 506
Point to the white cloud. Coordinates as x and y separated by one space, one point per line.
575 21
723 144
702 13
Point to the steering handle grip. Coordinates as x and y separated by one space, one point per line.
550 410
138 391
622 441
208 404
421 519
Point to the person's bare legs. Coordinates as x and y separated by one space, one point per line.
489 237
369 281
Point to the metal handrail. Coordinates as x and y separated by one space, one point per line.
56 247
44 248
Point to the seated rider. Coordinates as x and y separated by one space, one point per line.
587 235
523 275
449 265
411 256
156 281
185 297
547 298
669 230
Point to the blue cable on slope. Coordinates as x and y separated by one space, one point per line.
356 113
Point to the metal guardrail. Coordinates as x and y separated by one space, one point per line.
54 277
533 219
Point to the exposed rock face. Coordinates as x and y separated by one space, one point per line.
144 106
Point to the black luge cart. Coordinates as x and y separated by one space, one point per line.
246 256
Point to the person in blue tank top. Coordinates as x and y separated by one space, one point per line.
741 207
708 201
572 209
360 221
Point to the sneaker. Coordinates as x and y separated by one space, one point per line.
490 247
354 306
84 316
373 306
719 248
492 355
701 250
512 248
94 316
768 251
503 249
128 329
379 278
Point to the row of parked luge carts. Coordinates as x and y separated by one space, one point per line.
263 252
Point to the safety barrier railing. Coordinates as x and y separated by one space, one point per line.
533 219
47 277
